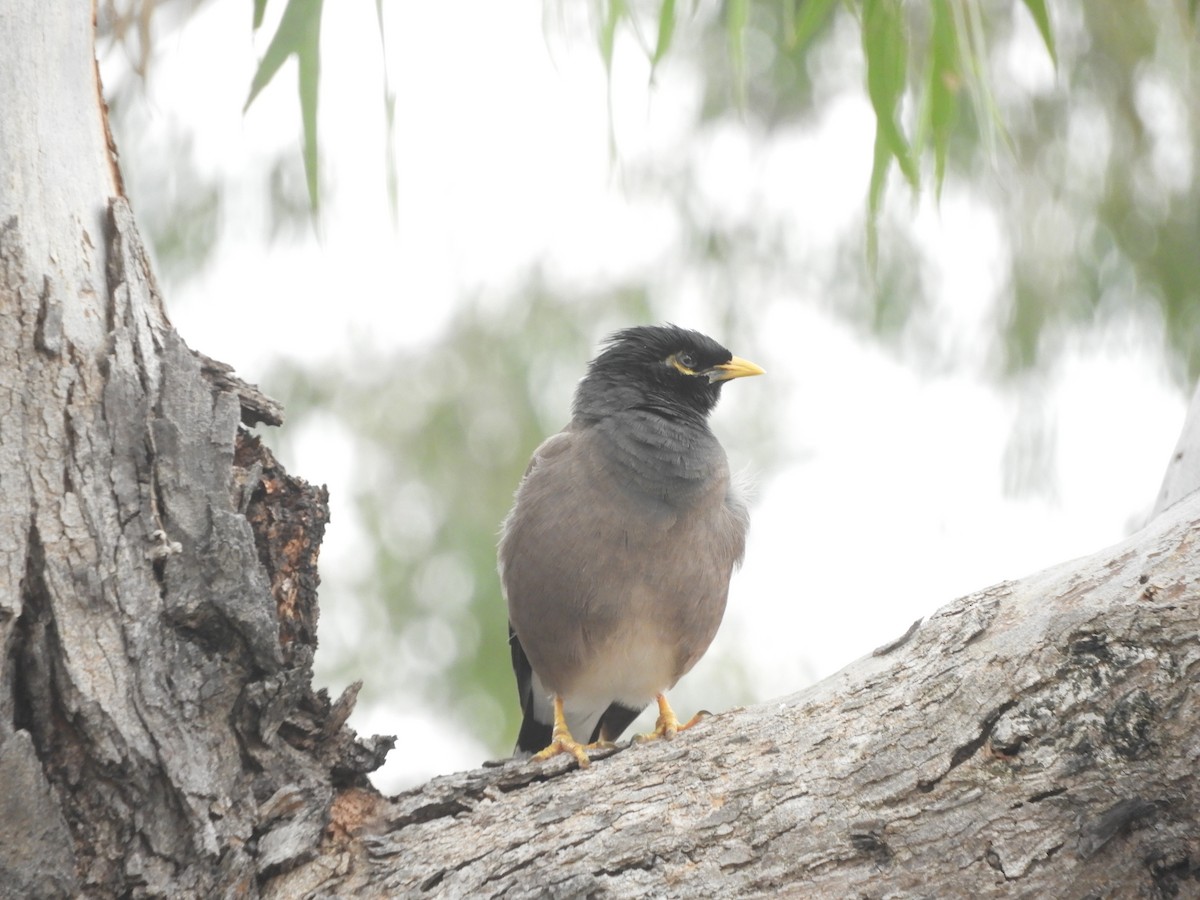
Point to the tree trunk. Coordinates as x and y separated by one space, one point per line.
158 731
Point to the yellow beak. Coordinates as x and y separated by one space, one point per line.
735 368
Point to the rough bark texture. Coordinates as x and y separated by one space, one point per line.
159 641
1037 739
158 731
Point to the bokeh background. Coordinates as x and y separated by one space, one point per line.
980 330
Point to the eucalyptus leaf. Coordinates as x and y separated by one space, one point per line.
298 35
1037 9
885 46
805 19
666 30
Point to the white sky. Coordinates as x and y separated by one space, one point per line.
892 502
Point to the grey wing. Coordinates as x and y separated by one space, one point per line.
549 449
537 714
530 575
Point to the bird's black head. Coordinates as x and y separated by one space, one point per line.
671 370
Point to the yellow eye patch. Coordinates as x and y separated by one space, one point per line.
673 359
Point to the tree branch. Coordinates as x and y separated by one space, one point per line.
1033 737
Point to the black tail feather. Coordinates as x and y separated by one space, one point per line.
614 722
534 735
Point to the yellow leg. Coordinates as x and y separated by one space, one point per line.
561 740
668 725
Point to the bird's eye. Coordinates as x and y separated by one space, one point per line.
686 359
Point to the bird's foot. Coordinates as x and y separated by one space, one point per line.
561 740
668 725
565 744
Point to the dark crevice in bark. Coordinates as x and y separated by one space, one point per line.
643 864
1129 726
444 809
87 790
872 844
971 747
1092 644
1175 874
433 880
452 795
1046 795
47 330
437 877
69 434
288 517
28 680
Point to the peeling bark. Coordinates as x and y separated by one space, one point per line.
159 650
159 734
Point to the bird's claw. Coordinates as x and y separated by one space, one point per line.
567 744
668 725
562 742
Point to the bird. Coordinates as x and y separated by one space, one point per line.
616 556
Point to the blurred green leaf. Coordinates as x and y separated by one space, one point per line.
954 63
804 18
942 86
260 7
885 46
299 35
973 56
737 14
879 169
614 11
666 30
1037 9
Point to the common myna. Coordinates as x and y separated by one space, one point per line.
616 556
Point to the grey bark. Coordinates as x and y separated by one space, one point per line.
158 731
1037 739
